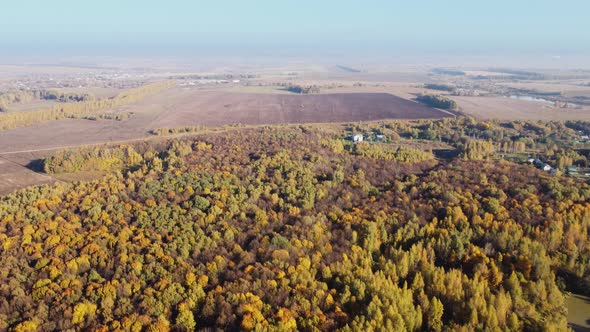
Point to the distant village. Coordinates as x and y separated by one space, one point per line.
98 79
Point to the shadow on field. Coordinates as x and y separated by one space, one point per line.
579 328
35 165
446 154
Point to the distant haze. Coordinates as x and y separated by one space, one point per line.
550 30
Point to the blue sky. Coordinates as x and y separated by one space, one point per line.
471 25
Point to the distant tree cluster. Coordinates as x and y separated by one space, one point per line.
300 89
439 87
449 72
109 116
177 130
519 74
24 96
65 97
437 101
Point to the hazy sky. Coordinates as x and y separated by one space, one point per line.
460 25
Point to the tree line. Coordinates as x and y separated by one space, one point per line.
437 101
22 96
301 89
80 109
440 87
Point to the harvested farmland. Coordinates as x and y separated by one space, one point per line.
178 107
219 108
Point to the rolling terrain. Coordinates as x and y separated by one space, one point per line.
183 107
179 107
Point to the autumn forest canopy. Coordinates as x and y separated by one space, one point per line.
424 226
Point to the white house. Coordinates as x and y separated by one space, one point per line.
357 138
